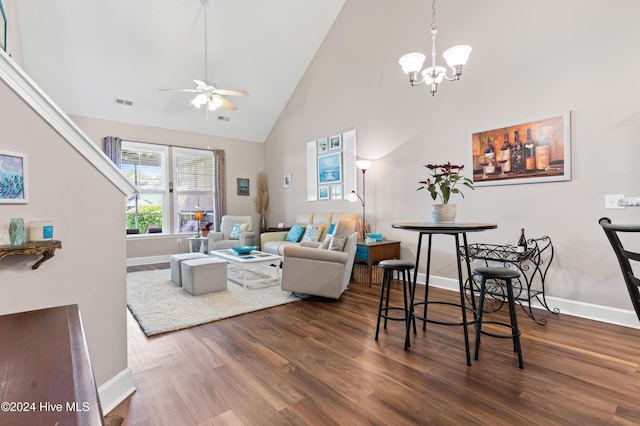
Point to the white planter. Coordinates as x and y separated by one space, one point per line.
444 213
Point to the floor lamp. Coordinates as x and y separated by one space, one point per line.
198 216
362 165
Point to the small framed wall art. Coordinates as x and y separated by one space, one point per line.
323 146
13 178
3 28
286 180
323 193
243 186
335 142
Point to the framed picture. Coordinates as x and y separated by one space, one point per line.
13 178
3 28
538 150
335 142
330 168
336 192
323 193
286 180
243 186
323 146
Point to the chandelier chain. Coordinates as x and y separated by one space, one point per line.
433 15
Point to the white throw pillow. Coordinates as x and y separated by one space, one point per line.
337 242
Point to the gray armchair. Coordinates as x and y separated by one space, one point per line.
220 240
318 272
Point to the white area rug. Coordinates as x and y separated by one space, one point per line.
160 306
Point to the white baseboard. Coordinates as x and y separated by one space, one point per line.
136 261
116 390
622 317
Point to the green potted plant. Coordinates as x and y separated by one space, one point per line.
441 185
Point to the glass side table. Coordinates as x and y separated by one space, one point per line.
199 245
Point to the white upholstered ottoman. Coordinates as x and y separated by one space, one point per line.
201 276
177 259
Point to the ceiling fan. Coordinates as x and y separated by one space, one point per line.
208 95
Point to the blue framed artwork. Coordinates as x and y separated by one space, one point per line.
13 178
330 168
323 193
3 28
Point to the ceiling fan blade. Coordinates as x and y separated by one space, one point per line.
227 92
225 103
180 90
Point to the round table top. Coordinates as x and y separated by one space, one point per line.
444 228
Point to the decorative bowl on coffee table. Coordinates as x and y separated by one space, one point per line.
243 249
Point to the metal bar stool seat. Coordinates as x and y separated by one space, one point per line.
506 275
388 266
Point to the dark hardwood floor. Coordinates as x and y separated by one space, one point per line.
316 363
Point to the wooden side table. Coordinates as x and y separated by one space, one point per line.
372 253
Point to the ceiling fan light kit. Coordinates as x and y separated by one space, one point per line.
207 94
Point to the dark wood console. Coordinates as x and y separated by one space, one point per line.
46 374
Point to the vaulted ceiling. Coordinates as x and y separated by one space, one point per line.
86 55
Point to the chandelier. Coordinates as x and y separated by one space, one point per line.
455 56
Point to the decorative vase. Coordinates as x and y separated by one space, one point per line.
16 231
444 213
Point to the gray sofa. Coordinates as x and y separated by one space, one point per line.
275 242
318 272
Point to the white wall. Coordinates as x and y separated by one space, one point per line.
529 59
85 209
244 159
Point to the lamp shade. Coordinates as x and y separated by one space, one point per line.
197 216
353 197
199 100
457 55
412 62
214 103
363 164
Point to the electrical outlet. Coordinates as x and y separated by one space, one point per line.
179 241
611 201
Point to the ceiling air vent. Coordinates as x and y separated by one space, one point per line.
122 101
223 118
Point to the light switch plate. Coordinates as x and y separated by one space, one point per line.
611 201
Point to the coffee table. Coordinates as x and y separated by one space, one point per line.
253 266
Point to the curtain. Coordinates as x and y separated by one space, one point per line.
220 200
113 148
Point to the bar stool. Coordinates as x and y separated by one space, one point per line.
388 266
505 275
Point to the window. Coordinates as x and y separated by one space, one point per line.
193 188
146 167
190 178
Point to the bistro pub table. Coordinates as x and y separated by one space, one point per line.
456 229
